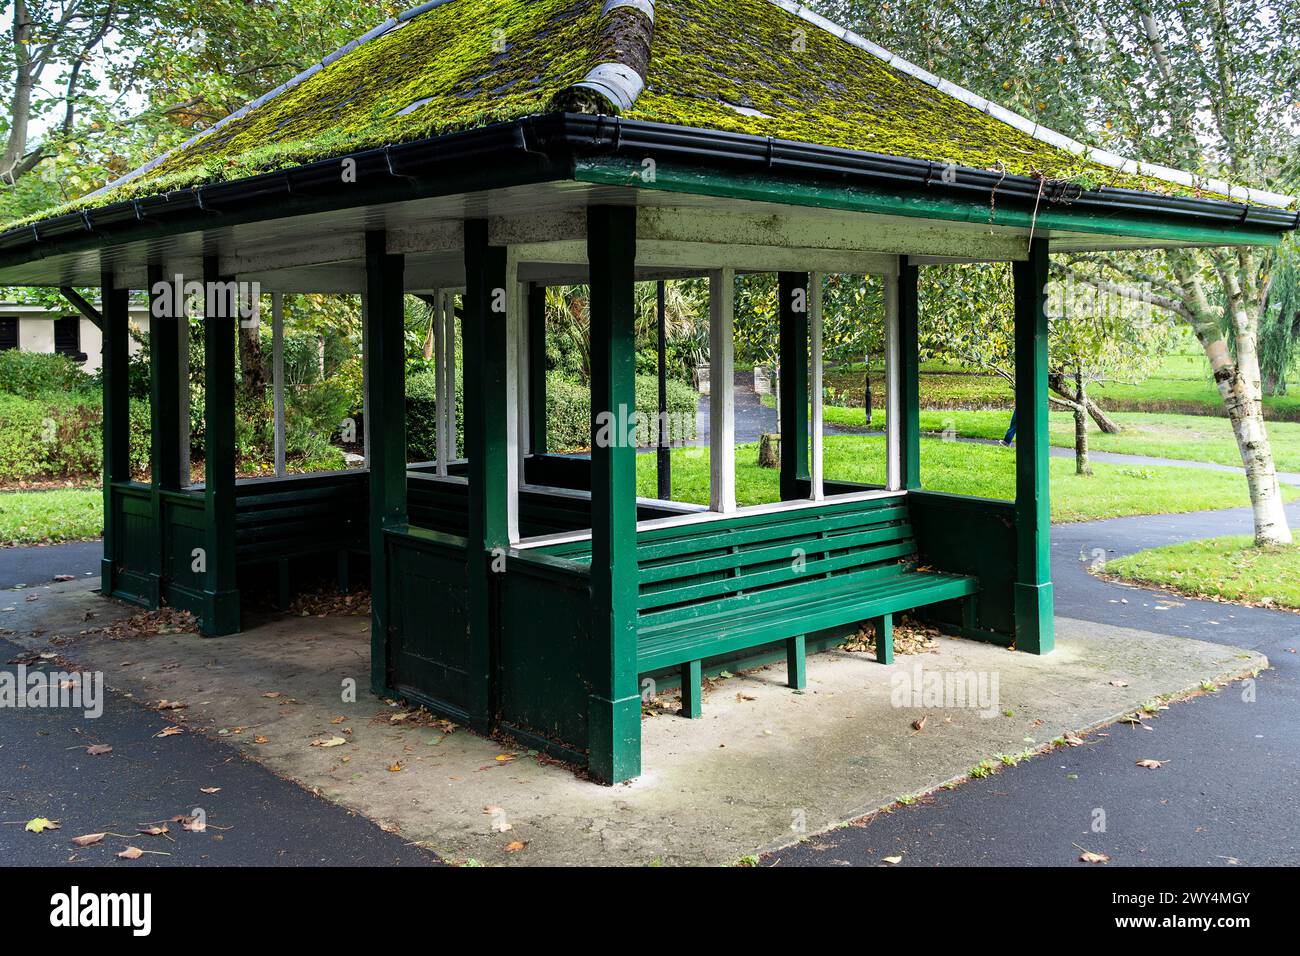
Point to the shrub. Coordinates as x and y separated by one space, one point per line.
568 412
50 438
421 416
34 374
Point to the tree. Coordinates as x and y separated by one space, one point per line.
1202 85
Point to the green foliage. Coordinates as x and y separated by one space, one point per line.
568 412
1222 569
421 416
34 374
59 437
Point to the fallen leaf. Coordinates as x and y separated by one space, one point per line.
396 767
259 739
505 758
515 846
893 859
1087 856
89 839
332 742
152 831
40 825
131 853
338 720
209 789
64 577
195 825
1072 739
271 694
919 725
1152 764
97 750
1119 683
170 732
171 705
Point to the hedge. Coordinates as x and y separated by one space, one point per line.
568 412
36 374
60 438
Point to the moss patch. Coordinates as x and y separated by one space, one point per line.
746 66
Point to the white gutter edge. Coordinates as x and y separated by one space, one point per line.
1041 133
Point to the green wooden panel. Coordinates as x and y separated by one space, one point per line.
909 372
386 421
116 421
614 704
792 294
1034 600
484 335
221 610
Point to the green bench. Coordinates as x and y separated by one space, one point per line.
710 589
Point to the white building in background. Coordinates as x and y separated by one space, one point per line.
34 328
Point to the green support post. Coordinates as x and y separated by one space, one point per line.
484 336
885 639
909 373
792 293
220 320
796 662
386 425
692 678
1035 632
165 343
117 418
614 705
537 369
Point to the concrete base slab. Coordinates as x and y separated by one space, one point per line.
764 767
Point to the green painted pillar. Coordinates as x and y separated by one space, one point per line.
117 419
792 303
614 703
537 369
1035 631
384 319
909 372
484 338
165 412
221 316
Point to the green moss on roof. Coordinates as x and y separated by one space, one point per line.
719 64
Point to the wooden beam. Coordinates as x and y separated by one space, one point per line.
722 391
1035 631
815 470
116 419
685 257
221 606
909 376
485 338
84 307
894 404
277 379
614 704
386 428
792 296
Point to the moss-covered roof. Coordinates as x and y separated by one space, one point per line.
753 66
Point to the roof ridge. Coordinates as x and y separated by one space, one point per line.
1035 130
392 23
628 28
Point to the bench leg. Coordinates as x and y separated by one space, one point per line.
341 576
970 612
885 639
795 666
691 681
282 582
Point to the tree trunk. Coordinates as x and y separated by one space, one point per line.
253 376
1056 382
1082 466
1240 388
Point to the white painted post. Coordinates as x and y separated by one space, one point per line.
365 378
817 485
521 364
514 310
893 396
449 355
277 378
439 382
183 394
722 393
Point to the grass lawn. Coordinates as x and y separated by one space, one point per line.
65 514
1229 569
1185 437
981 470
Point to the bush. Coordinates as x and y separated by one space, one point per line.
568 412
35 374
421 416
50 438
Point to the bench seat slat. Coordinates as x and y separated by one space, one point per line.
667 646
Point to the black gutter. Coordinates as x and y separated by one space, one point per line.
546 147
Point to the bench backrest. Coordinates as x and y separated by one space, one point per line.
695 570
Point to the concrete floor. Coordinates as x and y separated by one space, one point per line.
765 766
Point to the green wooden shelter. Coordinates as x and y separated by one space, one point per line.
478 151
